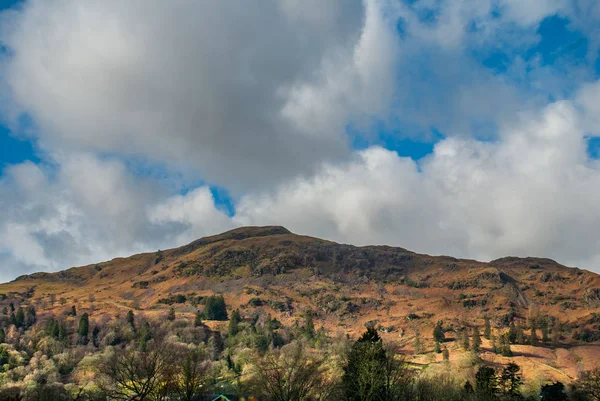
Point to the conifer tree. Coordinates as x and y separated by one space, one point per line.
476 340
309 326
438 332
466 343
487 329
2 335
234 323
198 319
171 314
83 329
130 318
20 317
534 338
73 311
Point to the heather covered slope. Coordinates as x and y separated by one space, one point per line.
271 270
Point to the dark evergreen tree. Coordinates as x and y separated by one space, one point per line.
215 308
476 340
83 329
12 307
171 314
95 336
553 392
30 317
234 323
487 329
144 336
486 383
12 319
466 342
2 335
364 373
20 317
511 381
130 318
309 326
198 319
73 311
438 332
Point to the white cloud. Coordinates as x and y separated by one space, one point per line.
533 192
200 83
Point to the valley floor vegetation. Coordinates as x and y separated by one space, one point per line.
75 356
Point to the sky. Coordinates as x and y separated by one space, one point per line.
460 127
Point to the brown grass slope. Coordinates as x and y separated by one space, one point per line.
271 270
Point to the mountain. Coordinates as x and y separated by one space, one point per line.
404 294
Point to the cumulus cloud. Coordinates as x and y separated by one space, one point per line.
212 85
85 209
532 192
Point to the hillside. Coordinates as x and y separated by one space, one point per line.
271 270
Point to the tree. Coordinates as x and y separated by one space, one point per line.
476 340
95 334
83 329
437 348
130 318
487 330
73 311
534 338
191 375
309 326
234 323
445 354
504 345
511 381
144 336
486 383
20 317
215 308
171 314
2 336
553 392
466 343
438 332
365 369
198 319
290 374
134 375
30 317
590 383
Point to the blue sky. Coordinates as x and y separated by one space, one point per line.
465 128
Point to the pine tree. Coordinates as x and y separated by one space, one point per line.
12 307
487 330
130 318
215 308
234 323
309 326
466 344
20 317
144 336
198 319
73 311
95 339
476 340
365 370
83 329
512 333
171 314
12 319
30 317
2 336
436 348
505 345
438 332
510 381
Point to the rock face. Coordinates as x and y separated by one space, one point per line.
271 270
